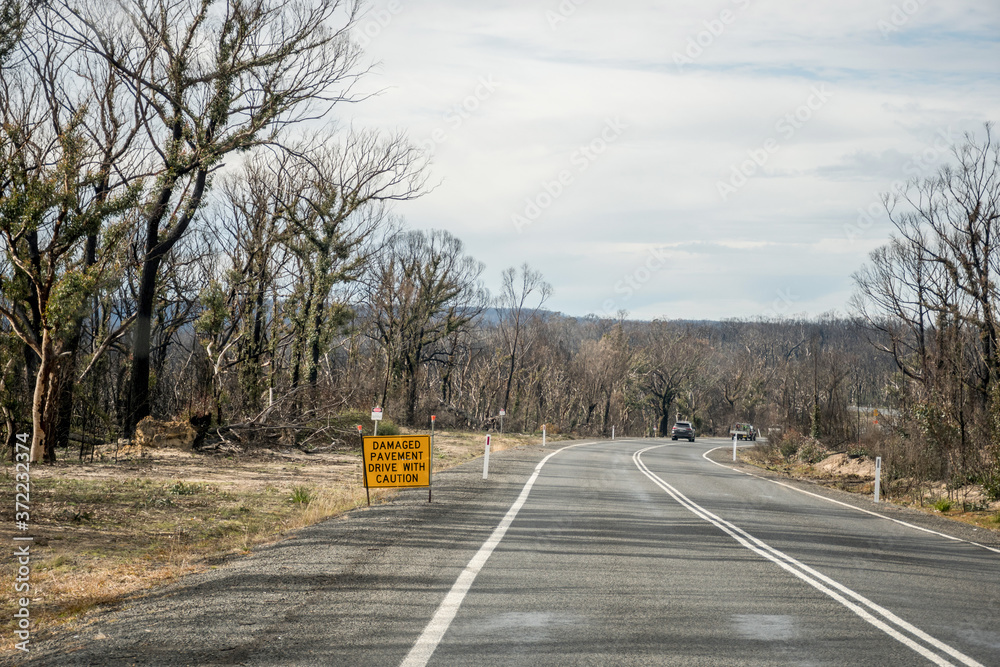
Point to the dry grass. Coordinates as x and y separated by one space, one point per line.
967 504
105 531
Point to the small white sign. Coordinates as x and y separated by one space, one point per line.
377 414
503 413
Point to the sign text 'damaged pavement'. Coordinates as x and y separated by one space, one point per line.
397 460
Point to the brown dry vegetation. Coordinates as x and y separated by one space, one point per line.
105 531
808 459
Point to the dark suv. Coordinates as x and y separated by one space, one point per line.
682 430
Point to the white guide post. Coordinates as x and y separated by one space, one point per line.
734 446
878 476
486 459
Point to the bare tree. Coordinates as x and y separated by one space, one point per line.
514 311
930 298
423 289
672 357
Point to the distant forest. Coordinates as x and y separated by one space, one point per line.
176 244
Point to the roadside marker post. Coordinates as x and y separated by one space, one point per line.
543 435
734 447
486 459
368 494
430 461
503 413
878 476
612 432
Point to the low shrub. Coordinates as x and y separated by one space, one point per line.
388 427
301 495
991 485
186 488
811 451
789 447
943 504
795 446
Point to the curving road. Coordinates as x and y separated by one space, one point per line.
632 552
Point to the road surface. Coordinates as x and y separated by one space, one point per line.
631 552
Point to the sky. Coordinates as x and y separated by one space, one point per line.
677 159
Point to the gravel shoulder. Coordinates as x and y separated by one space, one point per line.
923 519
298 601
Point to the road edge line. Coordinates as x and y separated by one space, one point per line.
843 504
422 650
814 578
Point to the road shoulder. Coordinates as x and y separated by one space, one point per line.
934 522
263 604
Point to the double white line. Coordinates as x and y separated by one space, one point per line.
881 618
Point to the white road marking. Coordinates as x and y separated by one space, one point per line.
843 504
816 579
429 639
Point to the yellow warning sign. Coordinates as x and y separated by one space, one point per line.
397 460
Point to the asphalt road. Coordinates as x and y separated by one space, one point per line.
633 552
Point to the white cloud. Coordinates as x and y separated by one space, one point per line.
656 184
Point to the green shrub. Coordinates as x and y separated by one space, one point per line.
301 495
811 452
387 427
186 488
789 447
943 504
991 485
347 422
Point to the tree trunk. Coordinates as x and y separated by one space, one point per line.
314 339
44 404
64 422
139 400
411 392
513 363
664 424
66 394
665 402
142 334
607 415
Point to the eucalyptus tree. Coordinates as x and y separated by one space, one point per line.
943 262
13 17
340 201
66 207
672 358
300 227
522 295
931 295
423 288
217 78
